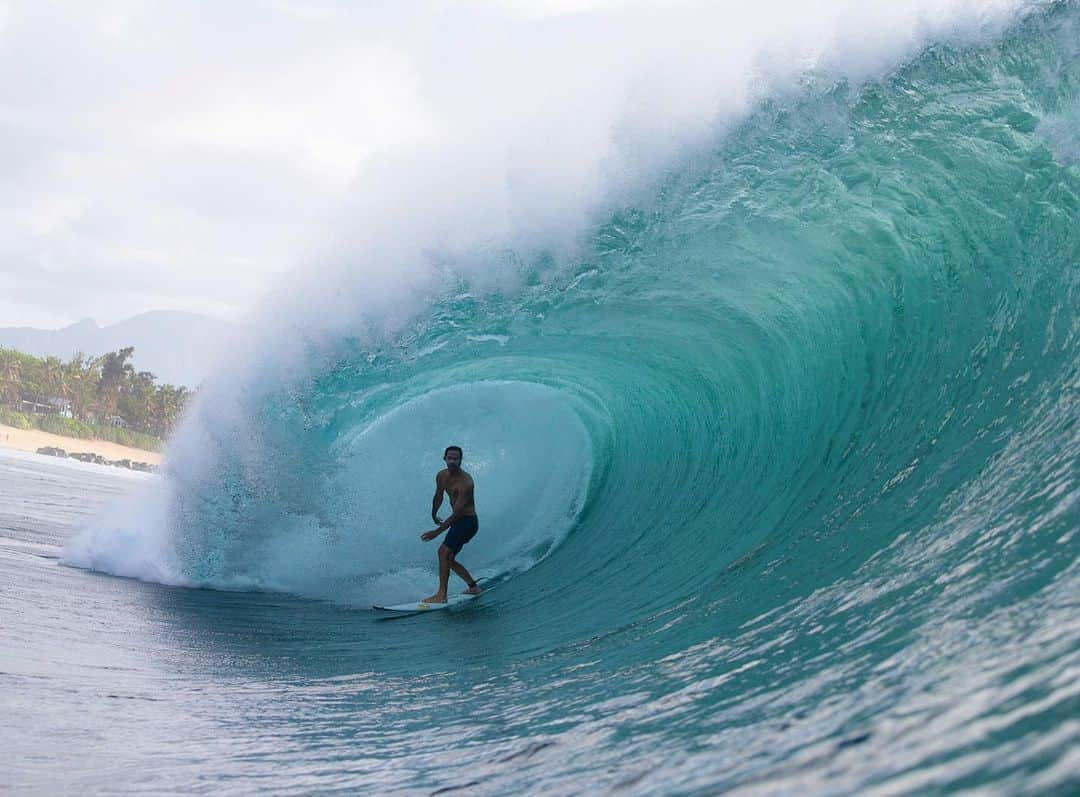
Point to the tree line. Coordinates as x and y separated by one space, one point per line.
105 392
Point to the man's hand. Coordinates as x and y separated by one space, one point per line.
436 518
430 535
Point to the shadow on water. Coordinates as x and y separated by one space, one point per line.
276 635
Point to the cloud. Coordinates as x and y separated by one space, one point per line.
193 154
197 141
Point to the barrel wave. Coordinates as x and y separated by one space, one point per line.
777 478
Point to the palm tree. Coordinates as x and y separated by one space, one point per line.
10 371
115 369
81 384
138 405
54 379
169 405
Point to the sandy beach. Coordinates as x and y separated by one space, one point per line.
33 439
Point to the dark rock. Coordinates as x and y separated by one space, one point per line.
86 456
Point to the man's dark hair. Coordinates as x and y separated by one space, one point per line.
460 453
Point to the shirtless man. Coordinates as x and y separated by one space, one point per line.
462 522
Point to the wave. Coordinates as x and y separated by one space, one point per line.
809 342
799 426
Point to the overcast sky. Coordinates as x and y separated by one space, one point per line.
184 155
176 155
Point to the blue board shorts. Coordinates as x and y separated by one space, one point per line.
461 532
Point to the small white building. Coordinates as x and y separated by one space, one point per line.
35 408
62 407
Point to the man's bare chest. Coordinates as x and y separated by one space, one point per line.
455 488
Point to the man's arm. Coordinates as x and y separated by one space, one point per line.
436 502
465 498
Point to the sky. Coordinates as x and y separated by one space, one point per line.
197 156
178 155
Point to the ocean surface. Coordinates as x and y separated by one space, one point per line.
778 476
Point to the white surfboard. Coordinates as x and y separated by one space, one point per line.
420 606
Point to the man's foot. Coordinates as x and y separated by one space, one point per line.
436 598
473 590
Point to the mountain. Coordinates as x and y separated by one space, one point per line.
179 348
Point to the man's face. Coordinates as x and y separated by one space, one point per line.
452 460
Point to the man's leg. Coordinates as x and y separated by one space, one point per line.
459 568
446 556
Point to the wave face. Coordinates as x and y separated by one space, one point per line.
778 479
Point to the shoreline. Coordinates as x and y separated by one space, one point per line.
32 439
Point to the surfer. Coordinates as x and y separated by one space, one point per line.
462 522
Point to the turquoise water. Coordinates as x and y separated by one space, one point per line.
777 478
